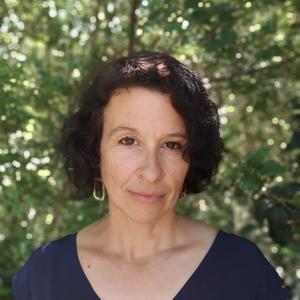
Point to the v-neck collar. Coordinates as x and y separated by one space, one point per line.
199 269
195 274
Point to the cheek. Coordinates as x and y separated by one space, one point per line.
117 167
177 172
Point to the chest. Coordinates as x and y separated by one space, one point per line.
161 279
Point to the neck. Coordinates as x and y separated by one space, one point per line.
136 242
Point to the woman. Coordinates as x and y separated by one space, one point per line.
146 132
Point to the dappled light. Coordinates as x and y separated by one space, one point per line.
247 56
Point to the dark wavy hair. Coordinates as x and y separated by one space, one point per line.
82 130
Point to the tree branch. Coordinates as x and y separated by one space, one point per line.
132 25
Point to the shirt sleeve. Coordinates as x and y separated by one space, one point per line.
22 280
20 285
271 285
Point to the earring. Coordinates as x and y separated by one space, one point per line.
102 190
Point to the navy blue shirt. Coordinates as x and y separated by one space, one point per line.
234 268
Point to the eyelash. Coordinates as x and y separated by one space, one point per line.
179 145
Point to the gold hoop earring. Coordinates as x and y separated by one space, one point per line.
103 194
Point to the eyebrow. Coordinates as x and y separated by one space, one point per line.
127 128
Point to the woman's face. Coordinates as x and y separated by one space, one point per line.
141 153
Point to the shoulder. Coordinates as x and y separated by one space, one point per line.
239 246
196 232
246 259
243 249
46 253
39 267
238 263
239 250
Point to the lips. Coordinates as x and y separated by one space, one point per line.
147 197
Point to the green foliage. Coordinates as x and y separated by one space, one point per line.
247 53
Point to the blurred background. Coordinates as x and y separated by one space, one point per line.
247 54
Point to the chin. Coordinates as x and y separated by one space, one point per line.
143 214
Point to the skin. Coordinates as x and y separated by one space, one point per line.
144 160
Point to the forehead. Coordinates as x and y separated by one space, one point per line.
138 106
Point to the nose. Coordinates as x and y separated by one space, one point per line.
151 169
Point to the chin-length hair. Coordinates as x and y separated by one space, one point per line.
81 132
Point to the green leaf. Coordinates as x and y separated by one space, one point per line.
256 159
272 168
251 181
228 36
288 190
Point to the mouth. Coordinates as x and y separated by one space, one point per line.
147 198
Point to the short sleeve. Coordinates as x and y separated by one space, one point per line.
271 285
21 281
20 285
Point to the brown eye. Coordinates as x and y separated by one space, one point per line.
174 145
127 141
